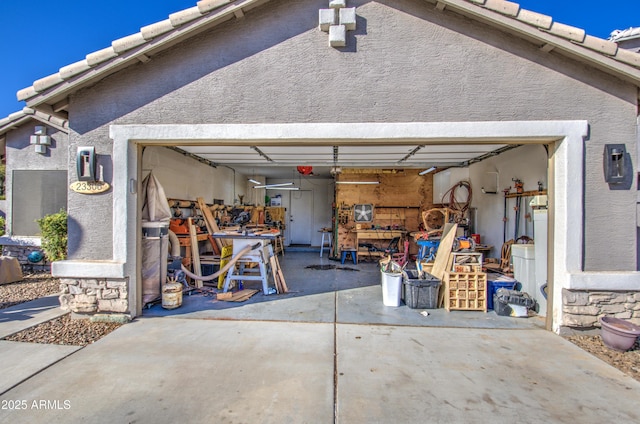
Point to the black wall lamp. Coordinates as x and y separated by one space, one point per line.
614 163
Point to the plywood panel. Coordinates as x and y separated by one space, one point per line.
398 200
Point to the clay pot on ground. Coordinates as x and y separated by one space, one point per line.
618 334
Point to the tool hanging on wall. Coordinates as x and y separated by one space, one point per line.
506 191
517 209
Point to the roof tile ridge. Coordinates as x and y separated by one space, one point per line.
121 45
575 35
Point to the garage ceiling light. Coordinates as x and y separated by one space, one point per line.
273 185
426 171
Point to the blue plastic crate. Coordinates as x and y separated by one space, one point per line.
493 286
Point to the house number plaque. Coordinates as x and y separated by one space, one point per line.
89 187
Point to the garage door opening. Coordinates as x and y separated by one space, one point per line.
563 137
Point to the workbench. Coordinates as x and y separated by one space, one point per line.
379 234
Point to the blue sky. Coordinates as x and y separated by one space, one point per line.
38 37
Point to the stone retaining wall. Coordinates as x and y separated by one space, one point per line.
90 296
21 253
583 309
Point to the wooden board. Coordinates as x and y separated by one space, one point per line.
398 200
283 283
444 251
242 295
212 226
195 251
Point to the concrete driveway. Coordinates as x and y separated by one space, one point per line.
179 369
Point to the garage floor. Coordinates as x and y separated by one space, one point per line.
349 294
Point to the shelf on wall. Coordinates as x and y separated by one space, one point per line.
526 194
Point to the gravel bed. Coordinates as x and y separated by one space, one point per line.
33 286
81 332
628 362
65 331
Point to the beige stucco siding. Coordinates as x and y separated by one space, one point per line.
404 62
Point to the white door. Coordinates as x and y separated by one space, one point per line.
301 217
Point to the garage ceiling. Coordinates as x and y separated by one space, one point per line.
281 161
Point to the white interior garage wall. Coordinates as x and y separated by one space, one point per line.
527 163
322 200
185 178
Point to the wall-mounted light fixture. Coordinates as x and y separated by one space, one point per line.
426 171
40 140
86 163
614 163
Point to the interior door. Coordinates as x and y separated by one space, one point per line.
301 217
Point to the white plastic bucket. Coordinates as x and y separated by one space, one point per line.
391 288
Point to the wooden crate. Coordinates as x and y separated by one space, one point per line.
465 291
466 262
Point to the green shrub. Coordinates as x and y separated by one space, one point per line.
2 224
53 229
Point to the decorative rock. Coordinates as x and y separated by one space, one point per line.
93 284
83 308
580 320
110 294
74 290
116 318
575 298
613 309
618 298
582 310
65 300
623 315
113 305
600 297
116 284
83 298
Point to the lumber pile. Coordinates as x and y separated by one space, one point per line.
239 296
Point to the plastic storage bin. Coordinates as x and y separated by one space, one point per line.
391 288
493 286
420 292
504 297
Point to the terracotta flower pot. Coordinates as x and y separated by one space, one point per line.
618 334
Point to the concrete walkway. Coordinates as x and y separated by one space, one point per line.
20 361
28 314
167 370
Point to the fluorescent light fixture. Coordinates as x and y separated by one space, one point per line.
426 171
282 188
357 182
251 180
273 185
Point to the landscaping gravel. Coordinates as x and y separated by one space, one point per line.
80 332
628 362
31 287
65 331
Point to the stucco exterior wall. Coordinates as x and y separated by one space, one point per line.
404 62
21 155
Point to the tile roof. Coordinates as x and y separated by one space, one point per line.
625 34
504 14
